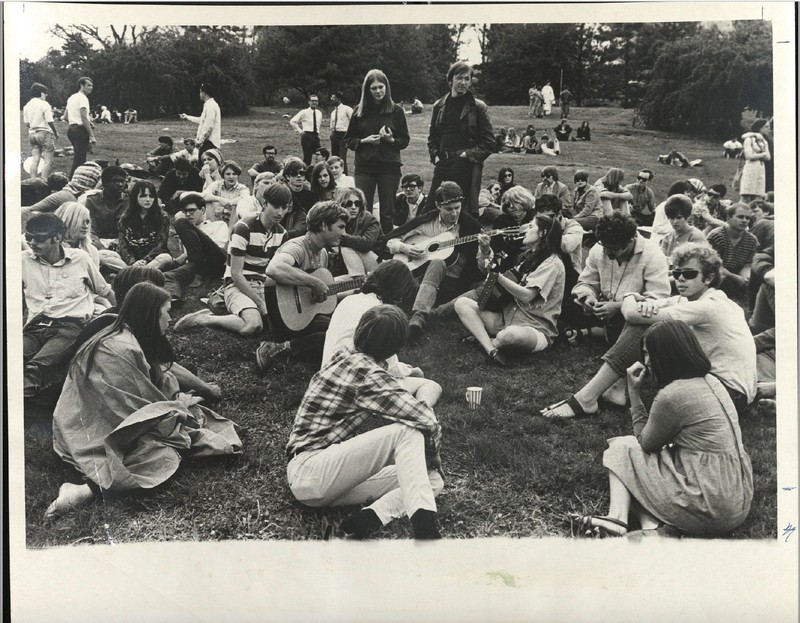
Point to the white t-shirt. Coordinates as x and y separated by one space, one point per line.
37 114
216 230
345 181
75 102
343 326
722 331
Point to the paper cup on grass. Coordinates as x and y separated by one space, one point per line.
474 397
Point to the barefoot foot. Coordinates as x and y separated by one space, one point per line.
69 496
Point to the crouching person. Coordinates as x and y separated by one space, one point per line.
396 465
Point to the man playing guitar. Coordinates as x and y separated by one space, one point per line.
292 265
442 280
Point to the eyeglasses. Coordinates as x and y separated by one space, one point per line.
353 202
686 273
39 238
300 173
190 210
642 179
409 186
508 175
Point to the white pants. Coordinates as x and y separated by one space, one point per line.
385 466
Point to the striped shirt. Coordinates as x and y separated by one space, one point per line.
734 257
252 241
349 390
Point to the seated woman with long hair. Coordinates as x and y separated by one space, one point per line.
513 142
527 322
530 144
144 229
121 420
322 182
489 204
613 195
517 208
363 231
584 132
79 228
685 466
505 176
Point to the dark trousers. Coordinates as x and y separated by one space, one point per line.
306 345
207 144
458 170
309 141
387 184
203 257
78 135
339 147
46 351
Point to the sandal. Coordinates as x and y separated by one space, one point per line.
582 526
573 335
573 404
498 357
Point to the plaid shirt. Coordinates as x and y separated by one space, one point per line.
345 393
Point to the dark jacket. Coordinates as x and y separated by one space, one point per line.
401 211
475 127
467 226
362 232
383 157
171 184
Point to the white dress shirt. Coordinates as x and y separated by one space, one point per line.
304 121
340 118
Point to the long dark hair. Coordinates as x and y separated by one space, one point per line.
139 313
155 215
392 282
315 173
504 186
674 352
549 243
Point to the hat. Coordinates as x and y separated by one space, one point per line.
216 154
447 192
696 185
86 176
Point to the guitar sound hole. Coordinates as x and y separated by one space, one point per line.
433 247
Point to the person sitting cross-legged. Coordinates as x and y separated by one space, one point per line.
622 261
204 246
685 467
293 265
527 322
396 468
718 323
363 231
442 280
253 244
59 284
390 284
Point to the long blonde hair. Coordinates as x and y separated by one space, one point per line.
74 215
367 101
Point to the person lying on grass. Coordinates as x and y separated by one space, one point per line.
718 323
527 321
685 466
391 283
395 467
122 420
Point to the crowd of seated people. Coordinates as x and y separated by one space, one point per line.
303 261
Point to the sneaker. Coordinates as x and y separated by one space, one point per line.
192 320
267 351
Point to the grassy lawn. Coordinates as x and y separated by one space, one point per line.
508 471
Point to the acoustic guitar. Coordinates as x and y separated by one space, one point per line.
493 297
296 305
442 246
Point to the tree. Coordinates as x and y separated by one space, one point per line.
702 84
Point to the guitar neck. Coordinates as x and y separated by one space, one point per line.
344 286
466 239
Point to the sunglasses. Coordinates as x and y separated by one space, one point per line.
298 174
508 175
686 273
38 238
353 202
642 179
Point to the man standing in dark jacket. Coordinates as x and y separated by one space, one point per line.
460 138
441 279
